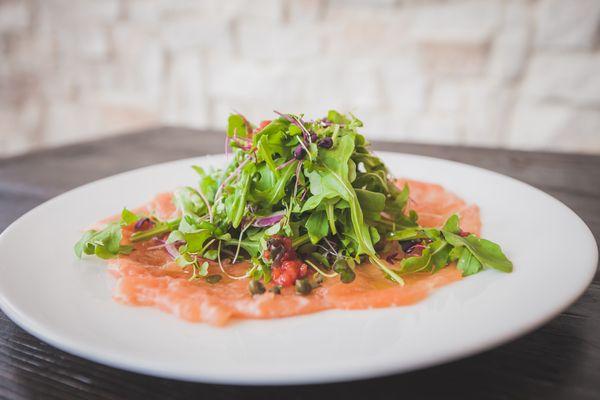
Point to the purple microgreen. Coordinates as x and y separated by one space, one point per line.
416 250
171 248
269 220
392 258
143 224
298 122
285 164
325 143
299 152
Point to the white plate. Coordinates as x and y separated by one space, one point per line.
67 302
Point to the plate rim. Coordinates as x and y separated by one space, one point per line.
45 334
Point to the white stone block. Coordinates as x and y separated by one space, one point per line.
157 11
305 11
388 125
14 139
66 12
20 127
185 98
80 41
432 128
573 78
145 11
265 42
25 52
69 122
454 59
404 85
567 24
535 126
348 86
509 53
352 30
139 62
14 16
511 44
486 114
266 11
471 22
195 32
448 97
580 134
556 128
231 78
364 4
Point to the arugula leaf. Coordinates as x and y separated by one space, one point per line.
337 118
237 125
195 241
236 204
467 263
372 202
128 218
335 182
208 184
330 211
336 159
317 226
105 243
189 201
414 233
452 224
416 263
251 246
83 246
265 152
489 254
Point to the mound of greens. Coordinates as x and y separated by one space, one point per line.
315 182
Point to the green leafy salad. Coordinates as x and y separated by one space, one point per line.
299 202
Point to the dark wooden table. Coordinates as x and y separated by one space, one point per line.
561 360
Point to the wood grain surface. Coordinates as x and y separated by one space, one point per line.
561 360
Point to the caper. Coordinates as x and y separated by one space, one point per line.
325 143
408 244
299 152
213 278
347 276
340 265
256 287
306 248
316 280
303 287
276 289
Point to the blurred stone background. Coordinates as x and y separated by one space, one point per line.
508 73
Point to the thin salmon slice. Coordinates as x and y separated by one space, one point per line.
149 277
435 205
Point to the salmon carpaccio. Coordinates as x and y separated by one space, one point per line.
149 277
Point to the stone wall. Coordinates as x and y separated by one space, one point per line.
510 73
